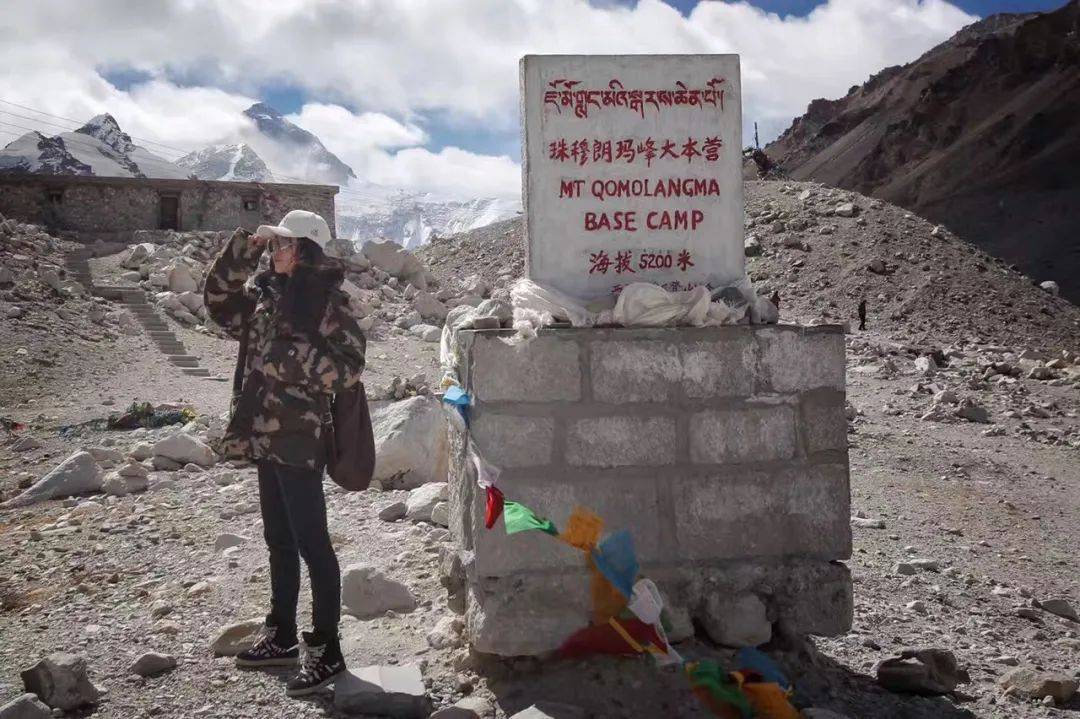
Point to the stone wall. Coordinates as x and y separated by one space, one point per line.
722 450
112 207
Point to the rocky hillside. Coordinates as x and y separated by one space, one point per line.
824 250
979 134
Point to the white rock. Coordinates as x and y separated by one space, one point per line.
1051 287
152 663
139 255
423 500
846 209
235 638
428 333
440 514
429 307
737 621
925 365
392 691
393 512
752 246
183 448
227 539
118 485
410 442
180 278
77 474
366 592
446 633
193 301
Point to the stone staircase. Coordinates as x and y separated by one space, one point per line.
134 300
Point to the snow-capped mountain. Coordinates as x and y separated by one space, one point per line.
99 147
227 162
373 212
287 144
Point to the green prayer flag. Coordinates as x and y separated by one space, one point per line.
519 518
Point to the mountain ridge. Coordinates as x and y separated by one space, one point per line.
979 134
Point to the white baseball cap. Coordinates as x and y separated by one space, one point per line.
299 223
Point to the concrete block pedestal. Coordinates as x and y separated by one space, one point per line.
722 450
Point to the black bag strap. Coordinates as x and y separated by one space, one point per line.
241 361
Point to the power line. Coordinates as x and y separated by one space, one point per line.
163 161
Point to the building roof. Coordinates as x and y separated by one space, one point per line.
159 183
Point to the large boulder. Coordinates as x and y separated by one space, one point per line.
429 307
182 448
366 593
737 621
139 255
423 500
395 261
77 474
410 442
60 680
181 278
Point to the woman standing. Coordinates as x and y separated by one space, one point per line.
302 346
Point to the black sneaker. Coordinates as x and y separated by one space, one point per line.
266 652
321 664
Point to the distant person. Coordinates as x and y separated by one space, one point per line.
862 315
299 345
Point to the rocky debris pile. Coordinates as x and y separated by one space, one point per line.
117 472
39 302
977 383
172 267
825 250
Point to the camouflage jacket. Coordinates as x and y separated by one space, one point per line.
289 378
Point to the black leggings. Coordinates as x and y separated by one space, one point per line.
294 525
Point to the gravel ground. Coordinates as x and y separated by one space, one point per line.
993 504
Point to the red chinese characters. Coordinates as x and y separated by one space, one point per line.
583 151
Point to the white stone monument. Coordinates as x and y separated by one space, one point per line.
632 171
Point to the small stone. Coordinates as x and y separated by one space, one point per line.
440 514
922 671
918 606
235 638
1031 683
395 691
152 663
446 633
227 539
28 706
867 523
1060 607
904 568
393 512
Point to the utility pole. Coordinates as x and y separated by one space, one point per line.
757 144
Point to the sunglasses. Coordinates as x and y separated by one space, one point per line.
281 243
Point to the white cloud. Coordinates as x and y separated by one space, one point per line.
400 62
451 171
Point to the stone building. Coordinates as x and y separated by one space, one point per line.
111 208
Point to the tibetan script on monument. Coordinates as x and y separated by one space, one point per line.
633 171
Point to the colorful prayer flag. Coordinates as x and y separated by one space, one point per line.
494 507
583 529
718 691
615 559
519 518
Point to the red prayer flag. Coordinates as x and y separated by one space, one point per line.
494 506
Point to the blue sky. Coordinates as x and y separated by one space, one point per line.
802 7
